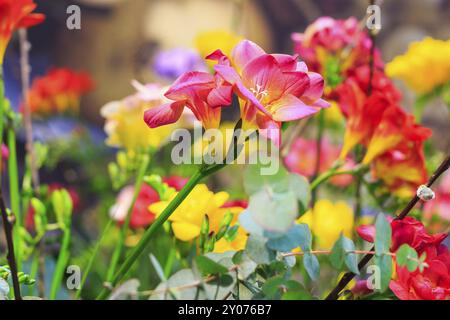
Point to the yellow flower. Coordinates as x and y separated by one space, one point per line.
327 221
124 120
424 66
188 217
209 41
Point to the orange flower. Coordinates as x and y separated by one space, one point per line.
15 14
58 91
393 140
396 127
402 170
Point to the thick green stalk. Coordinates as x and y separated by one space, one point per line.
139 248
123 231
13 174
63 258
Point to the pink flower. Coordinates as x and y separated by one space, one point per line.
273 87
328 38
302 156
201 92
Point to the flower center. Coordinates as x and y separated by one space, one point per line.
259 93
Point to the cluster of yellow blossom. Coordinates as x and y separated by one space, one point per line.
188 217
425 66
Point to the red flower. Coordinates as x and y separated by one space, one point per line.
175 182
409 231
235 203
432 284
141 216
15 14
59 90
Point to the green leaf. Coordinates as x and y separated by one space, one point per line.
246 266
274 212
298 235
384 262
272 286
183 278
383 235
351 260
311 264
305 239
208 266
300 185
407 256
258 251
254 181
337 255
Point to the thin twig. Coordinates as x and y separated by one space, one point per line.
7 226
25 75
350 275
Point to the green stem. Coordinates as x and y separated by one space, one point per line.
90 263
34 270
123 231
170 260
63 258
13 173
139 248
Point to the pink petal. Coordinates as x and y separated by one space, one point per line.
296 83
321 104
269 129
367 232
286 62
244 52
164 114
221 96
230 75
264 74
301 66
316 84
219 56
290 108
190 84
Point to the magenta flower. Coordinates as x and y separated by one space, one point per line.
273 87
203 93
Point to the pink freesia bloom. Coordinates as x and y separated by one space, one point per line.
302 157
273 87
332 38
201 92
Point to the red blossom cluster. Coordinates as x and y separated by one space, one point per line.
58 91
431 284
